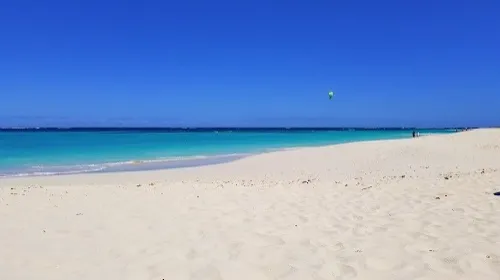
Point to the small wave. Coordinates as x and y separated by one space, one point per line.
48 173
172 159
150 164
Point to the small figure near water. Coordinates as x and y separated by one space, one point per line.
413 134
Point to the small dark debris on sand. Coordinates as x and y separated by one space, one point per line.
363 189
79 214
151 184
138 185
403 176
497 193
437 197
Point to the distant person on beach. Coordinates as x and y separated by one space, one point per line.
413 134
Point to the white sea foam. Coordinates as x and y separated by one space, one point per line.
129 165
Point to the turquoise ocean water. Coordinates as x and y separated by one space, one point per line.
24 153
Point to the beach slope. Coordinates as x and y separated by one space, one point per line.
420 208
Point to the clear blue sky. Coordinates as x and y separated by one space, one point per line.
250 63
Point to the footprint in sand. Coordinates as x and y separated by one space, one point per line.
339 246
381 229
348 271
303 219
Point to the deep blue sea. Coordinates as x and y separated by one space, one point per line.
66 151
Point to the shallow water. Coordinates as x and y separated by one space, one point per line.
40 152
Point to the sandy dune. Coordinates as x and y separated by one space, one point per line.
405 209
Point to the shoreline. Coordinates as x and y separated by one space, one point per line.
138 165
133 165
143 165
152 163
193 163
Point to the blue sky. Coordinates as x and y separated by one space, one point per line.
249 63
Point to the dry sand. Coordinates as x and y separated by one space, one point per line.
403 209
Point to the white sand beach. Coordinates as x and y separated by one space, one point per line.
420 208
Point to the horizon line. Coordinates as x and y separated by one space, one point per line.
181 128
